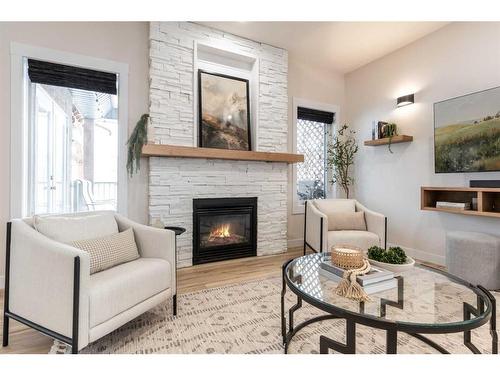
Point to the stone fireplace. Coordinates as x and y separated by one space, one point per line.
224 228
177 51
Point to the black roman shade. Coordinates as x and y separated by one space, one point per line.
70 76
315 115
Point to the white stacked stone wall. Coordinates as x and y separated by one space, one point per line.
175 182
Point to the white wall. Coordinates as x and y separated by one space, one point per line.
458 59
316 84
125 42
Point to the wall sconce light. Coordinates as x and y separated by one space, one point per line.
405 100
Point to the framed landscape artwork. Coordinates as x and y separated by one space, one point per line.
467 133
224 112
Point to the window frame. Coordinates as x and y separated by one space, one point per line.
297 205
20 144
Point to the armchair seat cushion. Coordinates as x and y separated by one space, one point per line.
361 239
118 289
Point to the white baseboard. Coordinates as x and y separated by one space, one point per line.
295 242
422 255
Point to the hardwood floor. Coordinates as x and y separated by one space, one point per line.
26 340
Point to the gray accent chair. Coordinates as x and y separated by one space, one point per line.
474 257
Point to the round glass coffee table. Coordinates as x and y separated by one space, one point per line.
425 301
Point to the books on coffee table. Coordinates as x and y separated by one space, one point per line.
377 280
374 276
369 289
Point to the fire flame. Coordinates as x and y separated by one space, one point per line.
221 231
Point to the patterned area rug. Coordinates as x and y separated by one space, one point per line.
245 318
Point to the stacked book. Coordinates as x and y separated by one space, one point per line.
377 280
453 205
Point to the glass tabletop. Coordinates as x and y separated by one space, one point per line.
422 296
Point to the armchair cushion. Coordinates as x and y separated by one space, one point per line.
361 239
346 221
328 206
120 288
75 227
109 251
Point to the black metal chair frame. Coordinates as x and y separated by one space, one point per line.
485 312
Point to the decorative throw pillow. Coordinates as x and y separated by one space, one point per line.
109 251
346 221
335 205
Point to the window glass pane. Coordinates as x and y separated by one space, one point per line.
311 181
40 173
74 159
58 176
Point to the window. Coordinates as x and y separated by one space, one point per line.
311 174
72 135
313 128
51 105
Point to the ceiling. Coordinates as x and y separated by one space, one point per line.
339 46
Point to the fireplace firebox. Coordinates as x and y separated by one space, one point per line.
224 228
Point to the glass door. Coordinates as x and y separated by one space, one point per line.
49 134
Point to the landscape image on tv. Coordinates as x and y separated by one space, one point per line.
467 133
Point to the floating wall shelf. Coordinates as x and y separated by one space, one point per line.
488 200
215 153
385 141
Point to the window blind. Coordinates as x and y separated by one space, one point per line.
70 76
315 115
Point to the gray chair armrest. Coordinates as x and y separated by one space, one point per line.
375 223
153 243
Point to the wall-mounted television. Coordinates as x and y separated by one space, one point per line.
467 133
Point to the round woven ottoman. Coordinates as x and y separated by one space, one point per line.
474 257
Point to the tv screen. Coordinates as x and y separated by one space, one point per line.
467 133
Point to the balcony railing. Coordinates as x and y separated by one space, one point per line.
91 196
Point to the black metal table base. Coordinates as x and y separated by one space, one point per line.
349 347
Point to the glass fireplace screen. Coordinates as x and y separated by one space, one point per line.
224 229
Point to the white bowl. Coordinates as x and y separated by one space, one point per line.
396 268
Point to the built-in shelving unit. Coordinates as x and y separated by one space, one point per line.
385 141
215 153
488 200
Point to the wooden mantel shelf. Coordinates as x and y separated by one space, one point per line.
215 153
385 141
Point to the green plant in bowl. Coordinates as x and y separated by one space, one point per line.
393 259
392 255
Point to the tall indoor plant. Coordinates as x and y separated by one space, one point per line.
340 157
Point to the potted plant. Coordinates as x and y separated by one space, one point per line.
340 157
393 259
390 130
138 138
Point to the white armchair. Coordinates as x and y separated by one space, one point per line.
48 285
319 238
